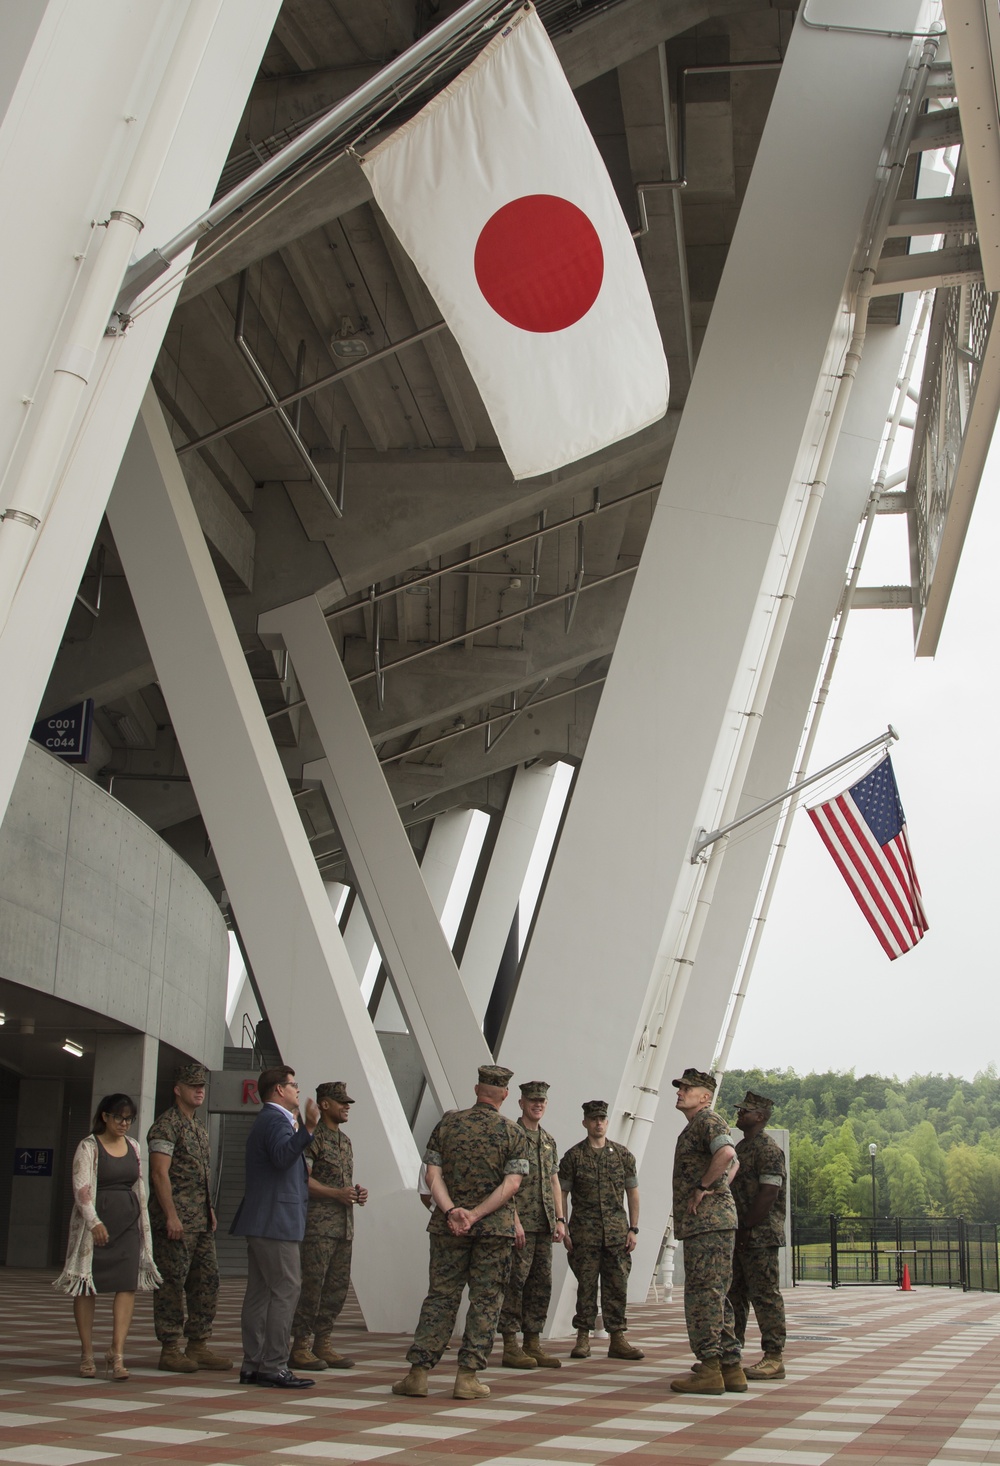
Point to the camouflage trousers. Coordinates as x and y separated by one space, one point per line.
326 1276
526 1302
610 1265
755 1280
190 1271
708 1313
482 1263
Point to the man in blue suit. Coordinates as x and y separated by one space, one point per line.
272 1217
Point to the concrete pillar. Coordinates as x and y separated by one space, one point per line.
690 648
515 844
125 1063
285 919
402 919
35 1201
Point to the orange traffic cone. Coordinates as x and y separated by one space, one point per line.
906 1286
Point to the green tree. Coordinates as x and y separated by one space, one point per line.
922 1143
907 1190
962 1165
834 1187
805 1164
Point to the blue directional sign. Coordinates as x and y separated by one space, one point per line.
67 734
29 1160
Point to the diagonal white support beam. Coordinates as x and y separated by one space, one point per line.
385 870
515 844
697 1037
93 66
298 956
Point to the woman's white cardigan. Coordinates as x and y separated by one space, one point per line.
77 1276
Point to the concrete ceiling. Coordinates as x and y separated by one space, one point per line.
425 483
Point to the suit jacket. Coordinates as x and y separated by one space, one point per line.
276 1187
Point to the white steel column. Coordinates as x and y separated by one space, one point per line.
278 897
441 861
360 943
523 814
101 66
696 1040
381 858
671 715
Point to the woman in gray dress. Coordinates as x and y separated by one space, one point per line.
109 1243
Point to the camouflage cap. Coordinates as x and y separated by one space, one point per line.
595 1110
535 1089
193 1074
695 1079
334 1089
760 1102
495 1075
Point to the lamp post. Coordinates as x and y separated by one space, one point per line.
871 1156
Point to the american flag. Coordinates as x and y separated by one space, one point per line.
864 830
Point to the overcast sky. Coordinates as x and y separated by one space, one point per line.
823 995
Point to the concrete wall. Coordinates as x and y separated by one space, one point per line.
97 910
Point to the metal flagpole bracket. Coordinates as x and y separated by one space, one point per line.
709 837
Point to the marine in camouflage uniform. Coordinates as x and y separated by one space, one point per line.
326 1246
476 1160
705 1220
759 1194
539 1213
183 1227
598 1173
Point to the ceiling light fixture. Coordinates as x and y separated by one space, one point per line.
75 1049
346 345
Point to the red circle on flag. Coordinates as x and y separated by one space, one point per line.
539 262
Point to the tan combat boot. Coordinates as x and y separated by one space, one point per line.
468 1387
620 1348
772 1366
413 1384
581 1349
533 1346
204 1357
733 1378
175 1362
706 1381
302 1356
324 1350
514 1357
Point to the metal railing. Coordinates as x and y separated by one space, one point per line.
945 1252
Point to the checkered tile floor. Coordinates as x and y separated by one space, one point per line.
875 1376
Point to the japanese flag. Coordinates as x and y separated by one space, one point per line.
499 195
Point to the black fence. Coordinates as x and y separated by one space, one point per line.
941 1252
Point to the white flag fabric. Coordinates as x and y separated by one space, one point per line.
500 197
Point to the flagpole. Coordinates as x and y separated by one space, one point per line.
385 83
704 840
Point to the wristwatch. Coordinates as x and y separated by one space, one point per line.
561 1219
635 1230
